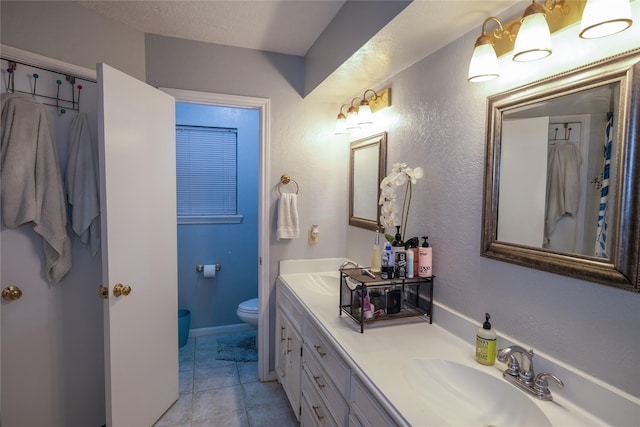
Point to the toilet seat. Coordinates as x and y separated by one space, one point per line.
249 306
248 311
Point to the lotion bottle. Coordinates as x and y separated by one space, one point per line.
375 255
425 259
410 256
486 343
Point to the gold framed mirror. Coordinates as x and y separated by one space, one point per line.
562 174
367 167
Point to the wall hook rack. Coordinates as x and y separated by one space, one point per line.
61 104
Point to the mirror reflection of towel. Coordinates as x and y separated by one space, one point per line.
563 183
288 226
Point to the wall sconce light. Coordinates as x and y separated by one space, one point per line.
341 122
603 18
484 61
534 37
532 32
352 117
361 114
365 115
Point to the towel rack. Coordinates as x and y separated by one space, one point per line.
286 179
60 103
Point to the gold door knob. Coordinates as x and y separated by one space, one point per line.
121 290
103 292
11 293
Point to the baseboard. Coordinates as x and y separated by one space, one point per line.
225 329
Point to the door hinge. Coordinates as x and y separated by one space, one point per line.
260 260
301 351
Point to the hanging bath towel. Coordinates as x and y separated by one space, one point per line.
82 183
32 189
288 227
563 183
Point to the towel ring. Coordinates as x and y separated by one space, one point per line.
286 179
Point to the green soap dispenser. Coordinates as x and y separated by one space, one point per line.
486 343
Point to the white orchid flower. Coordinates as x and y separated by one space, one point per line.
401 175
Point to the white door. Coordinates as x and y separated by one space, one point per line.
523 181
139 248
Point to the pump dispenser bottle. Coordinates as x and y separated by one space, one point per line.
486 343
375 254
399 255
425 259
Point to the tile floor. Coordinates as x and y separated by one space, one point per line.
224 393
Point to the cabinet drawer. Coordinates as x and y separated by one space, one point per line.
327 357
314 411
365 408
325 388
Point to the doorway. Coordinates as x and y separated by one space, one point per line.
262 105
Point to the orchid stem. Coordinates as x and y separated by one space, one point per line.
406 216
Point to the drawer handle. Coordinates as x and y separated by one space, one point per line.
288 345
320 385
318 416
321 353
282 330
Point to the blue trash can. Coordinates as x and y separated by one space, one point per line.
184 323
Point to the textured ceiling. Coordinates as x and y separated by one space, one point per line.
288 26
292 26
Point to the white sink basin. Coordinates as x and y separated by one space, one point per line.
324 283
460 395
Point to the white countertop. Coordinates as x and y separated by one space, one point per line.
380 353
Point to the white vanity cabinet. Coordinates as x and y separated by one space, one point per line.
289 348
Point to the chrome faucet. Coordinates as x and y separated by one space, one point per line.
524 373
344 264
523 376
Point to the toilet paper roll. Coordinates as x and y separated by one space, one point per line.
210 270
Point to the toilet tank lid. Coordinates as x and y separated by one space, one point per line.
249 305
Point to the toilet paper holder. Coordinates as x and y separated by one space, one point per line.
200 268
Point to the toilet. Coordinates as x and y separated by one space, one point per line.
248 311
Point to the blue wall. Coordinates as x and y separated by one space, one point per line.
213 302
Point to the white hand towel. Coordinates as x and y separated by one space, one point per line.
288 226
83 183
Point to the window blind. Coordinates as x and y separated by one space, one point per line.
206 171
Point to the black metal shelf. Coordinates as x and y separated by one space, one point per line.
400 297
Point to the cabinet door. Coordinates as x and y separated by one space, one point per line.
288 359
281 339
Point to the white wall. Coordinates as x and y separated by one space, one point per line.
589 326
70 33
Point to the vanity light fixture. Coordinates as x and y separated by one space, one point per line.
484 61
603 18
341 122
532 31
360 112
534 37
